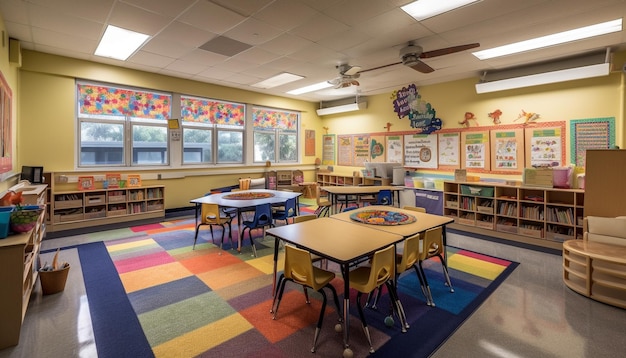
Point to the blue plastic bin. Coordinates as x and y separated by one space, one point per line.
5 217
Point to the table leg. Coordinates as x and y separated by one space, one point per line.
346 305
445 244
276 244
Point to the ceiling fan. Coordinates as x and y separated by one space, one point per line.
347 76
412 54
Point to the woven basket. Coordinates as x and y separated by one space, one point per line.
25 219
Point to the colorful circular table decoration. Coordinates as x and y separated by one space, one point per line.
250 195
382 217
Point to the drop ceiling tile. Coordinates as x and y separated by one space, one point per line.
243 7
166 8
319 27
57 21
257 56
344 40
225 46
185 34
211 17
253 32
285 44
186 67
204 57
151 59
167 48
285 14
133 18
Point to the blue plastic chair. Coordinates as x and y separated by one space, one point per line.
384 197
262 219
288 211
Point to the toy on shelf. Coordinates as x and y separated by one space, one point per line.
495 116
469 116
529 117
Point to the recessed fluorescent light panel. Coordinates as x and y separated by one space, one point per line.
278 80
570 74
311 88
551 40
120 43
423 9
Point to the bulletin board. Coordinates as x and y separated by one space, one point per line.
475 151
449 150
545 145
507 149
309 142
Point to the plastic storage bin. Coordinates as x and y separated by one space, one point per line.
5 219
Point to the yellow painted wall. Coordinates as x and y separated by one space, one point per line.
47 114
589 98
10 73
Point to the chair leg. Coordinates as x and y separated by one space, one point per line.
318 328
363 322
429 295
195 238
279 296
397 305
418 272
336 299
445 273
230 235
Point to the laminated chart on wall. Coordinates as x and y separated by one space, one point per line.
361 151
395 149
377 149
507 150
344 150
420 151
328 149
309 142
475 151
593 133
449 150
545 147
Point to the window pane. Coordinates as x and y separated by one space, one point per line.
197 146
264 146
101 144
229 146
149 145
288 147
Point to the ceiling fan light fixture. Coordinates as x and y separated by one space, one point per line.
410 60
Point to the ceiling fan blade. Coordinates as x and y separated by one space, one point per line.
379 67
448 50
422 67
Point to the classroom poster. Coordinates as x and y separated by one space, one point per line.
377 148
505 150
309 142
476 150
361 152
546 147
328 149
395 149
420 151
449 149
593 133
344 150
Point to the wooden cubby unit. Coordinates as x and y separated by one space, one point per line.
331 179
19 254
77 209
541 216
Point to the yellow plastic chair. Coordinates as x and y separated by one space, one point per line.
365 279
414 208
323 204
315 258
299 269
212 215
432 246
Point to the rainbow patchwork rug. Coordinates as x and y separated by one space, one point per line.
150 294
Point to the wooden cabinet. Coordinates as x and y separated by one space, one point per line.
75 209
18 274
284 179
541 213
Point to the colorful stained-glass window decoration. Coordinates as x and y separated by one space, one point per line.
114 101
208 111
264 118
